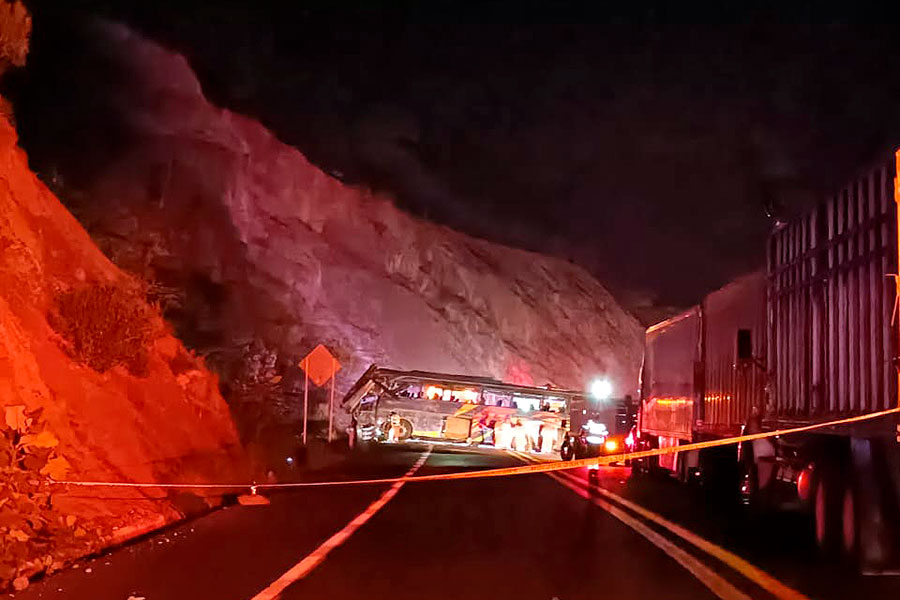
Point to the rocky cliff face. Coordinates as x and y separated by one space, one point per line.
254 251
74 405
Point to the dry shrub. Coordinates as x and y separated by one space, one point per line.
106 325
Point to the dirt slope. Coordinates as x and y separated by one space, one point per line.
168 422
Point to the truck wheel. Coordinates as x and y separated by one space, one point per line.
849 522
637 467
749 485
827 511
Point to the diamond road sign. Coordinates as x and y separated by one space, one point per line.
320 365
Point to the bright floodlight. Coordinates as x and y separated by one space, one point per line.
601 389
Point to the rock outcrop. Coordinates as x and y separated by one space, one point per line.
254 251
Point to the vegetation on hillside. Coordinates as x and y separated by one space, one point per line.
106 325
34 536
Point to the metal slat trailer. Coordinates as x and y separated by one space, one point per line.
831 297
811 339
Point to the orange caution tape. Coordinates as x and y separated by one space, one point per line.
505 471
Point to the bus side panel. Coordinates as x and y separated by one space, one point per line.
831 303
732 388
425 416
668 392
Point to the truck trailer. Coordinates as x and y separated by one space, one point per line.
809 339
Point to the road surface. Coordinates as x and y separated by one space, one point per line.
523 537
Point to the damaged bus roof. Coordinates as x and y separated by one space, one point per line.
387 379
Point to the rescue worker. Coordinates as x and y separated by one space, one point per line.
520 439
549 433
395 430
351 432
503 435
490 428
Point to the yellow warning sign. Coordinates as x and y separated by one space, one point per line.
320 365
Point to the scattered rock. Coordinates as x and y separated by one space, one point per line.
20 583
252 500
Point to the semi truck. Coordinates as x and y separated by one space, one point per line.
810 338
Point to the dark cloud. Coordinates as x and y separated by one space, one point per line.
649 153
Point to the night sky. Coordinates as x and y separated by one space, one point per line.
648 153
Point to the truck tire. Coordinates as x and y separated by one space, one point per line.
748 485
827 510
566 451
747 474
849 522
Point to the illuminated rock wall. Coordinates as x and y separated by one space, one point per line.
252 244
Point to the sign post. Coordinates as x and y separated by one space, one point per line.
331 402
320 365
305 401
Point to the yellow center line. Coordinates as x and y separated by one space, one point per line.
712 580
745 568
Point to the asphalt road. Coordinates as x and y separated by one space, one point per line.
522 537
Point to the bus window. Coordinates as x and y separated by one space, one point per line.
527 404
468 397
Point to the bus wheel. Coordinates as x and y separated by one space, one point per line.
406 430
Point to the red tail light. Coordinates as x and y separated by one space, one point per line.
804 483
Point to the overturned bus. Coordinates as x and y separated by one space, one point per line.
459 408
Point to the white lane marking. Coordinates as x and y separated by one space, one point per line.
748 570
715 582
317 556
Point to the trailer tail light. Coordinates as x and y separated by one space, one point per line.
629 441
804 483
611 445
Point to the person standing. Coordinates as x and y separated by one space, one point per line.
549 434
395 430
351 432
503 435
519 442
